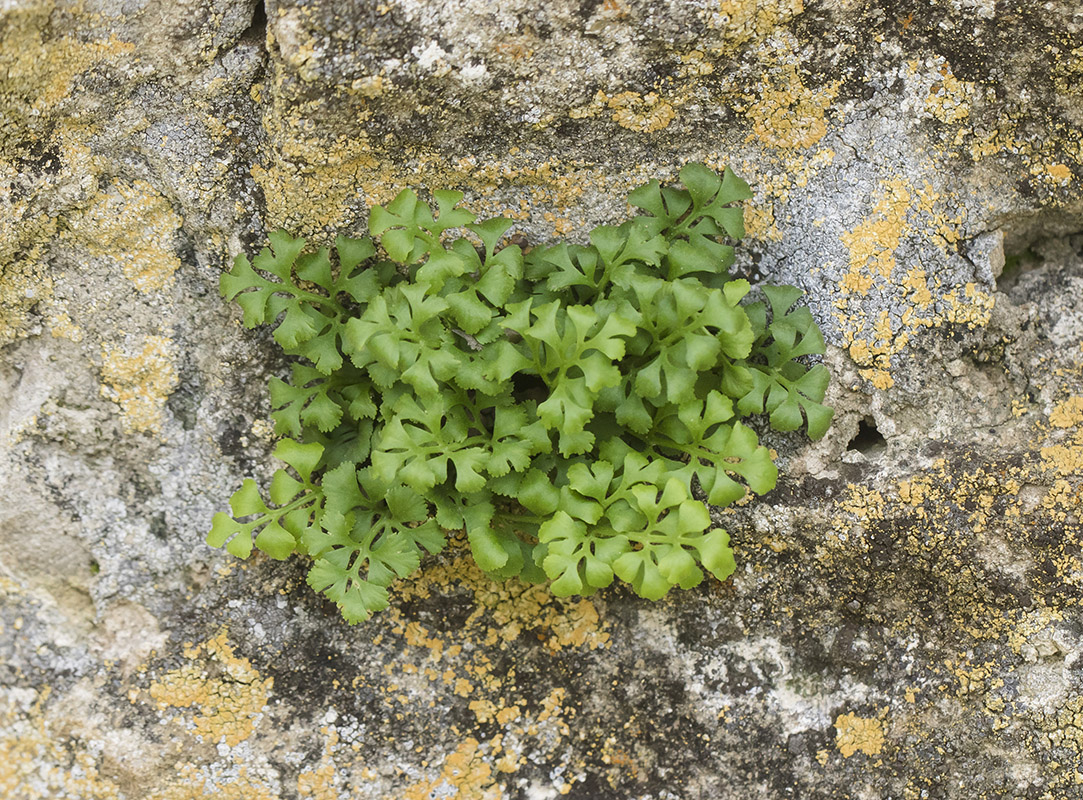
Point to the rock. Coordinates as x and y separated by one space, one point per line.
904 621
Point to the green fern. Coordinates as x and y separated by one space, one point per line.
558 406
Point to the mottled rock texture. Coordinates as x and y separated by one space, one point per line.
905 620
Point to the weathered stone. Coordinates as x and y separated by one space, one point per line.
904 622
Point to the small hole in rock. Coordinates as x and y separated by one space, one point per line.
257 28
1015 264
868 439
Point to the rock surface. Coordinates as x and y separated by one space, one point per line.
905 620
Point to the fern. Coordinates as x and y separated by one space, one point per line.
558 406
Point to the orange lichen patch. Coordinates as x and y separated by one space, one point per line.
760 223
229 694
1067 414
972 309
643 113
62 327
1055 173
545 722
872 244
312 186
1031 627
466 775
140 383
1061 499
319 782
25 278
133 225
1059 172
1068 732
36 763
874 355
994 141
786 114
34 65
38 71
775 177
561 227
945 514
562 622
863 502
194 783
744 20
854 734
507 715
505 609
856 282
320 187
434 661
949 98
695 64
553 709
973 678
636 112
484 710
916 284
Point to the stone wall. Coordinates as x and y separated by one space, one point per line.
905 618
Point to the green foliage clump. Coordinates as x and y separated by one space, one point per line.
559 404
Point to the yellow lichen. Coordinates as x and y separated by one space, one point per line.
1068 732
24 281
321 195
40 69
744 20
1055 173
38 763
62 327
917 284
949 98
194 783
132 225
466 775
319 782
760 223
505 609
785 113
872 244
643 113
854 734
1068 414
38 73
972 310
636 112
228 694
140 383
872 247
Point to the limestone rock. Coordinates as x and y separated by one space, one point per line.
905 619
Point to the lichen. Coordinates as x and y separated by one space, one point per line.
37 76
227 694
858 734
140 382
134 226
784 112
38 763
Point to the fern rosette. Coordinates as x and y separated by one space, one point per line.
560 406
